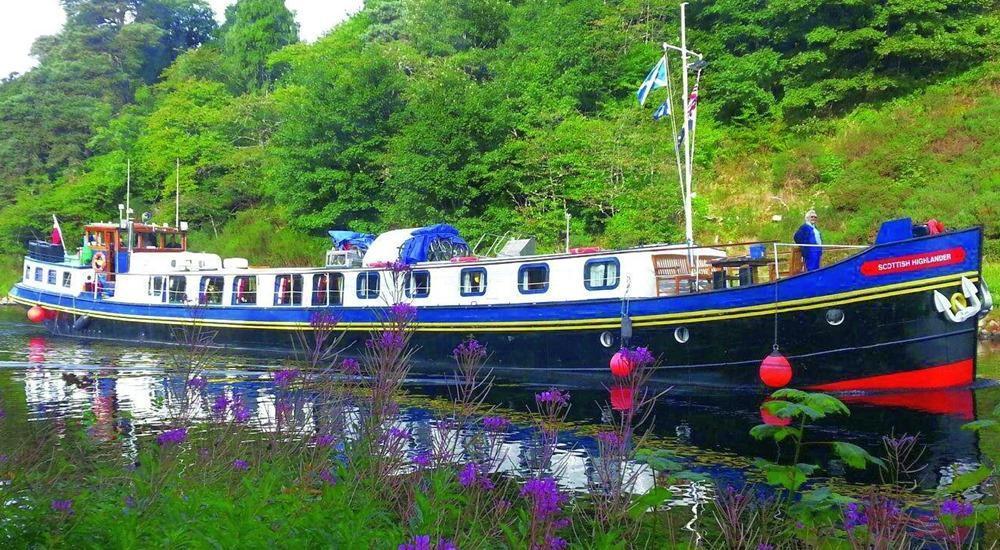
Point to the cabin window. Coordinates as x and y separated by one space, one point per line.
67 280
328 289
288 290
156 286
38 274
244 290
473 281
601 274
173 241
417 284
211 291
52 277
176 290
368 285
533 278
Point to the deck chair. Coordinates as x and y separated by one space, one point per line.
671 272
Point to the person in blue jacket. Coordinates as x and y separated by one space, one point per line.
808 233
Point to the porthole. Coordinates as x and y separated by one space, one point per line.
607 339
834 316
681 334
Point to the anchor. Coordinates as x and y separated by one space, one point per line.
962 306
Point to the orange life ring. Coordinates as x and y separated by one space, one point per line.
100 261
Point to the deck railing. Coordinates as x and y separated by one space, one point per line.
744 264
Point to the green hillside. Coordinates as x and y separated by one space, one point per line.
502 117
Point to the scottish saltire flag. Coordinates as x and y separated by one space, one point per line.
657 78
662 111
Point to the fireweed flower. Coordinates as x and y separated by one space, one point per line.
546 499
398 434
854 516
496 423
198 382
468 350
350 366
556 543
63 506
284 378
220 405
470 475
419 542
240 465
640 357
956 508
422 459
552 396
387 340
172 437
327 476
402 313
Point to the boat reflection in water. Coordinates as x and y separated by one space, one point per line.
708 430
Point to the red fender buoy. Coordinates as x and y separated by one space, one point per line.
772 419
621 365
775 370
621 398
36 314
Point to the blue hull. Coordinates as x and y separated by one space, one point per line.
890 326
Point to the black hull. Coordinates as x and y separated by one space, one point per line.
899 337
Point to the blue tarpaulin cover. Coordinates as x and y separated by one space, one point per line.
895 230
357 240
427 243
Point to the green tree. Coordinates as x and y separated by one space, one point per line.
254 30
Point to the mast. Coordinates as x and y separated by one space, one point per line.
177 194
688 139
128 186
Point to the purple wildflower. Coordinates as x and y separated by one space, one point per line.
640 357
422 459
956 508
402 313
546 499
854 516
325 440
3 414
327 476
220 405
241 465
198 382
129 501
555 543
284 378
350 366
496 423
553 396
241 414
765 546
63 506
419 542
4 459
387 340
172 437
445 544
471 475
469 350
397 266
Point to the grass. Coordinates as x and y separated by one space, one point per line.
328 464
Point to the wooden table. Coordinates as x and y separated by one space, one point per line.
746 265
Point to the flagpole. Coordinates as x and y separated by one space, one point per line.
128 186
688 225
177 195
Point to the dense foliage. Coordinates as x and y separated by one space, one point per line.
501 117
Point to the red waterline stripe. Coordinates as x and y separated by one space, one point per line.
954 402
950 375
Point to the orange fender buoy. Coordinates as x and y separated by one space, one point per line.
775 370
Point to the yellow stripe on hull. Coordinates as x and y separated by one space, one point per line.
666 319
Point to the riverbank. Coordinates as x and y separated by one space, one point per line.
323 452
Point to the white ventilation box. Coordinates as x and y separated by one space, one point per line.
235 263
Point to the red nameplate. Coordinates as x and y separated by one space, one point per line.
913 262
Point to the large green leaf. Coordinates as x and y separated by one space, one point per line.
855 456
652 499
